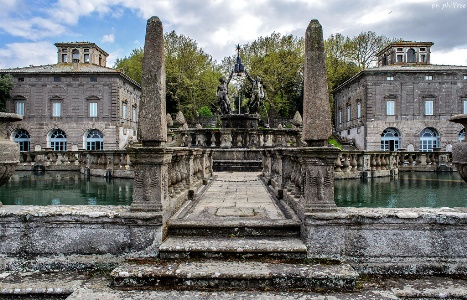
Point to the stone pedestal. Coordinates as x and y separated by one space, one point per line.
240 121
319 178
151 177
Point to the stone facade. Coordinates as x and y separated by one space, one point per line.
404 105
76 98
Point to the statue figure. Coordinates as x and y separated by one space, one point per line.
257 94
222 95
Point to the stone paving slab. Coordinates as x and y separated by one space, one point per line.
236 194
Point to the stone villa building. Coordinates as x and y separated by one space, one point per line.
78 103
404 102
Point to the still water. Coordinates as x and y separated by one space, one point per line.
65 188
421 189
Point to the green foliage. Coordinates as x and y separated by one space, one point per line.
332 141
279 61
204 112
6 84
132 65
192 76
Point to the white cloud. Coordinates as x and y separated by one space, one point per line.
25 54
33 29
456 57
108 38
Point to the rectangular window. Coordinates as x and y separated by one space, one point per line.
465 77
423 58
390 107
56 109
428 107
124 111
86 57
340 116
93 79
390 78
422 49
93 109
399 58
64 58
21 79
20 108
134 114
399 49
428 77
57 79
359 110
348 113
465 106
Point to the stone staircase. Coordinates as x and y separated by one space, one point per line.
234 255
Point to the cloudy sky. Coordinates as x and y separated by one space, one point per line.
29 28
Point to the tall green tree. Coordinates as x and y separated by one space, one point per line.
132 65
192 75
279 61
6 85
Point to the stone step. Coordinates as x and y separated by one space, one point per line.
226 228
288 248
234 275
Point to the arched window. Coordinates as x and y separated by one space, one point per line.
57 140
462 135
411 58
429 139
94 140
75 54
390 139
21 136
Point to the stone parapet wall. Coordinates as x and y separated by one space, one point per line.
391 241
72 230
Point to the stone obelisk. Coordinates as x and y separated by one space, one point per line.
318 158
151 159
317 126
152 125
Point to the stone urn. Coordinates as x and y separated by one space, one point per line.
459 150
9 149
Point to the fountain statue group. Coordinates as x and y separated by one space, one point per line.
257 90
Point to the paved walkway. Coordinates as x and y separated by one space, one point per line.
236 195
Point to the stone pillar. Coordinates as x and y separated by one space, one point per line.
319 179
317 124
152 125
151 159
151 178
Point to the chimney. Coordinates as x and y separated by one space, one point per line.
75 64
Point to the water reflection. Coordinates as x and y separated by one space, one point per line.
422 189
65 188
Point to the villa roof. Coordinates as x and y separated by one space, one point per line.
67 69
403 68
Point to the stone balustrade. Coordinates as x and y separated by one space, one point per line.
234 138
363 164
94 163
303 177
426 161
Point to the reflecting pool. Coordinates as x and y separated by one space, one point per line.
65 188
417 189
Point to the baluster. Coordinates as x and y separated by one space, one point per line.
338 164
353 163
